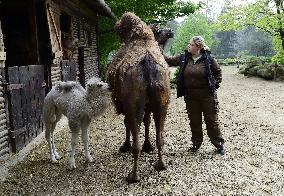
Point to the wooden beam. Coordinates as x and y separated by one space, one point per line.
55 27
2 62
101 8
78 8
33 27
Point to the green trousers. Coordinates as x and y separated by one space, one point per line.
196 106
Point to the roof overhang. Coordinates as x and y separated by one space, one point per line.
100 7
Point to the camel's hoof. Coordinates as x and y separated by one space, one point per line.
131 178
90 160
160 166
126 147
58 157
147 147
53 159
72 164
72 167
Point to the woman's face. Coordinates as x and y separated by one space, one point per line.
192 47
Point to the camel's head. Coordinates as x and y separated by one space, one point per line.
161 34
131 27
97 86
65 87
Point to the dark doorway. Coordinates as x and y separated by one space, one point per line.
18 30
81 65
66 37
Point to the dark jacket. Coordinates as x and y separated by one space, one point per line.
183 59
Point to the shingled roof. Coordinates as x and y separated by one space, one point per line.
101 8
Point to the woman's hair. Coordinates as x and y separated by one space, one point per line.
199 41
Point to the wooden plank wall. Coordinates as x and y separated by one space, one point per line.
4 135
27 104
85 32
53 18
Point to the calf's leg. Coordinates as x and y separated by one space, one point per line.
84 127
74 128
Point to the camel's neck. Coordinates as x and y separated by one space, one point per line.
162 44
162 47
96 100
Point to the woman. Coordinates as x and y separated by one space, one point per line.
199 77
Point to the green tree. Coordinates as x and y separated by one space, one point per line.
224 44
255 43
265 15
149 11
195 24
174 25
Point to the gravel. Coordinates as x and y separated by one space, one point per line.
252 121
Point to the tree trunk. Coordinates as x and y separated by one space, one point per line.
280 9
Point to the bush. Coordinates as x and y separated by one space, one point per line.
265 59
242 70
252 71
280 72
265 67
173 81
254 60
265 73
228 61
279 58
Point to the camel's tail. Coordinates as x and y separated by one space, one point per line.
49 110
153 73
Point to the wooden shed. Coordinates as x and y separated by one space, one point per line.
42 42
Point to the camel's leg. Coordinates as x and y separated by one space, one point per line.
58 117
147 146
74 128
126 147
133 125
53 145
49 128
159 113
84 127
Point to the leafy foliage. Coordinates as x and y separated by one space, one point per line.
254 42
265 15
174 25
224 44
279 57
153 10
149 11
231 44
174 79
195 24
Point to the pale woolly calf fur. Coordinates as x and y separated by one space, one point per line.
80 106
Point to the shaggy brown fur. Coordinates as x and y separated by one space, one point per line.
161 35
139 77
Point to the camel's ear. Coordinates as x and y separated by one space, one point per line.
92 85
154 25
99 85
88 85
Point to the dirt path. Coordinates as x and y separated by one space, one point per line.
252 120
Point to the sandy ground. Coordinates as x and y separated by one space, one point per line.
252 121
